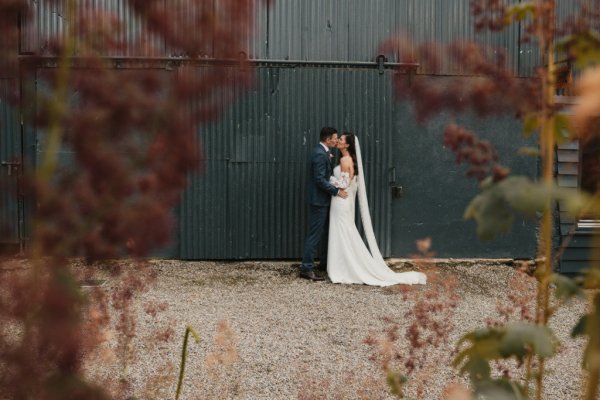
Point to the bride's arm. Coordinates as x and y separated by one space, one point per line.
346 172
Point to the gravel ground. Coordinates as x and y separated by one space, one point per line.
286 337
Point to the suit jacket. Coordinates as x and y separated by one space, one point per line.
321 169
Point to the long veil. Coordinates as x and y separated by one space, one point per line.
365 215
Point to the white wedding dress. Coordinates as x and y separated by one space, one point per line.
348 259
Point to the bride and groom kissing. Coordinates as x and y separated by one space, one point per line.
332 193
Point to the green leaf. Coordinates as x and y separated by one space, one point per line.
501 343
531 124
592 278
520 12
566 288
395 382
580 327
589 325
583 46
491 212
513 340
501 389
529 151
519 337
478 369
561 127
495 207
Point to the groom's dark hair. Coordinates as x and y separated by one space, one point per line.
326 133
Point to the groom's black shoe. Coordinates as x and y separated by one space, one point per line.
311 275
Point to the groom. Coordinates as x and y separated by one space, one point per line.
319 197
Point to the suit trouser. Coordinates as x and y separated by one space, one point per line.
318 232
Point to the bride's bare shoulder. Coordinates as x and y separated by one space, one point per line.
346 160
346 165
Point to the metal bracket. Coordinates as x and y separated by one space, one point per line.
381 60
11 165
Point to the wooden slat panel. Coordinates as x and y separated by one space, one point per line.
566 218
568 181
565 168
579 254
573 267
568 156
586 241
564 228
569 146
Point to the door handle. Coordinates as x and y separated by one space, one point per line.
11 165
396 189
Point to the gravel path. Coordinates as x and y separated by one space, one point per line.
285 337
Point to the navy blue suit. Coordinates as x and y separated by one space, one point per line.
319 197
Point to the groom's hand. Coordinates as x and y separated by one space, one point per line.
342 193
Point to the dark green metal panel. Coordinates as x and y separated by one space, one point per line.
10 162
250 202
369 114
35 148
316 30
436 192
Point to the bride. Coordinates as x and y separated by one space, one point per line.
349 260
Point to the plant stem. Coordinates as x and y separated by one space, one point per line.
59 105
593 349
188 330
545 19
57 108
592 384
528 361
592 330
49 154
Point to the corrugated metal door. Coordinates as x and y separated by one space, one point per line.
250 201
10 163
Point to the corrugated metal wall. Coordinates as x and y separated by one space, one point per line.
50 20
10 152
250 201
436 192
320 30
529 57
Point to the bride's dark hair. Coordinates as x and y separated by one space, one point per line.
351 149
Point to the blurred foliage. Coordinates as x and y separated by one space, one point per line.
515 340
566 288
589 326
583 47
132 137
495 207
503 197
519 12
